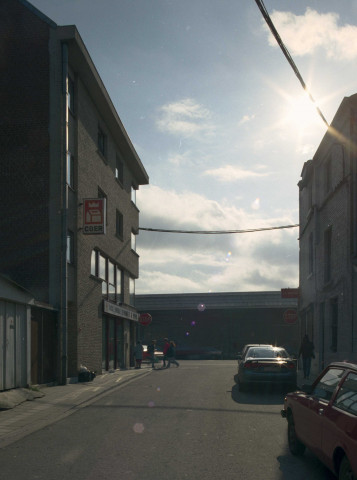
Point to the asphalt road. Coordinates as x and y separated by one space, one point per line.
180 423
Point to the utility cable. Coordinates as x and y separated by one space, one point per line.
285 51
217 232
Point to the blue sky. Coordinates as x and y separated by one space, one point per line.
220 123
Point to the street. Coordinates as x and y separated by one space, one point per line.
180 423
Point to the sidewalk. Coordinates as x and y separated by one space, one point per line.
51 404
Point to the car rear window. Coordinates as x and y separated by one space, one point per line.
346 398
327 384
259 352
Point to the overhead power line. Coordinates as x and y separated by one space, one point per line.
217 232
285 51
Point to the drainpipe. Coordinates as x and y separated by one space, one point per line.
64 313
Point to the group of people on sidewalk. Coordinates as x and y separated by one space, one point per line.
169 351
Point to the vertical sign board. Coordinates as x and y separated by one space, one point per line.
94 216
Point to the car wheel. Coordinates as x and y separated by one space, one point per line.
295 446
345 471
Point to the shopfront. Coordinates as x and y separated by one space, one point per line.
117 335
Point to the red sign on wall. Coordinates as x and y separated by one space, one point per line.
290 293
290 316
94 216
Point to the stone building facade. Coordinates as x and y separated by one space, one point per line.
62 143
328 241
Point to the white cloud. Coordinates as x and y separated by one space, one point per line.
230 173
186 118
246 119
304 34
177 263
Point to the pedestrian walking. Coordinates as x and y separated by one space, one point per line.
165 350
138 354
307 353
151 352
171 354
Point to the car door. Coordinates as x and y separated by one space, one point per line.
317 406
340 425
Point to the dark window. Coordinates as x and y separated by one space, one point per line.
119 170
327 254
346 398
119 225
102 142
327 384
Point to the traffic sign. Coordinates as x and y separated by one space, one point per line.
145 319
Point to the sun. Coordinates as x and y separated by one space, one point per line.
300 113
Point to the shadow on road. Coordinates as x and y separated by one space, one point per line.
259 394
306 466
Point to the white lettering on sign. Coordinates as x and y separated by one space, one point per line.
119 311
94 216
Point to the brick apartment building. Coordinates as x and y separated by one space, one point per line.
61 143
328 241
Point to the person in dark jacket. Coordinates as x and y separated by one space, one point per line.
307 353
165 350
151 352
171 353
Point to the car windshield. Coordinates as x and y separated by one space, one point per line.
258 352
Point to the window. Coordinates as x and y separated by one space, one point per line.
133 194
110 274
346 398
102 268
70 247
334 324
111 281
327 384
119 225
70 170
133 241
311 253
119 170
118 285
70 94
94 263
327 254
102 142
132 291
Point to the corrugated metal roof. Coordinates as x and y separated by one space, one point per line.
191 301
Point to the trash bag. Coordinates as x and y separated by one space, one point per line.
85 375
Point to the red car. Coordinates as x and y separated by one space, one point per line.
323 417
